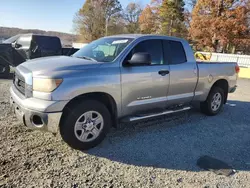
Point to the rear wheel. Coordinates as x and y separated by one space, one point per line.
4 69
85 125
214 102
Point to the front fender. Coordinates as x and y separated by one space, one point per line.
108 82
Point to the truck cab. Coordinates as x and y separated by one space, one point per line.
117 78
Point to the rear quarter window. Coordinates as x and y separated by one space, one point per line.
177 52
48 43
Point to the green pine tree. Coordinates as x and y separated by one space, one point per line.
172 18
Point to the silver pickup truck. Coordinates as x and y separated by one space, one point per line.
117 78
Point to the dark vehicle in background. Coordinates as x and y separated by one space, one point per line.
23 47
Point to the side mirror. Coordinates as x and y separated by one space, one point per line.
140 58
16 45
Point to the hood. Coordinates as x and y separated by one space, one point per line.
49 66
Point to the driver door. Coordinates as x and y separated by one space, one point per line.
144 87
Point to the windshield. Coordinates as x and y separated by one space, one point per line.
104 49
11 39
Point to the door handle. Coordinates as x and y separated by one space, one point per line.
163 72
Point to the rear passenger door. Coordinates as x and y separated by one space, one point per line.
183 74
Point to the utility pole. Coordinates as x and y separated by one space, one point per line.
170 28
219 12
106 27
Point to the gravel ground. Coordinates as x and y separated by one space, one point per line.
161 152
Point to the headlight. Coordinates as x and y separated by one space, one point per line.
46 85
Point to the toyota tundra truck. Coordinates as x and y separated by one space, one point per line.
122 78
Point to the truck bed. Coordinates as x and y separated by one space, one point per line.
209 72
215 62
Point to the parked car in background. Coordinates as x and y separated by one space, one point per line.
117 78
20 48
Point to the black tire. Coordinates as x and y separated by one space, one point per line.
4 69
206 106
70 117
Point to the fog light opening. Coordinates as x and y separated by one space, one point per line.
37 121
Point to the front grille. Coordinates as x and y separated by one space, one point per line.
19 83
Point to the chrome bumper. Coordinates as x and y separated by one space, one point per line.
39 116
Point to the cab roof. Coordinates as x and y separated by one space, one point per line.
136 36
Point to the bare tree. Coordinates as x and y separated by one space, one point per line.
112 8
131 16
93 19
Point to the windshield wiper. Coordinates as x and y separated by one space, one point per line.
88 58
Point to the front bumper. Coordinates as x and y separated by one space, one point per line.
35 113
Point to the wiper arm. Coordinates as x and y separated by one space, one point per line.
88 58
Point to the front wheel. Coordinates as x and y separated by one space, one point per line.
85 125
214 103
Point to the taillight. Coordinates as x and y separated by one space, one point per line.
237 69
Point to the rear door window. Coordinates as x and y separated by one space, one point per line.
174 51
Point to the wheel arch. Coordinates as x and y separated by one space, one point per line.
102 97
223 84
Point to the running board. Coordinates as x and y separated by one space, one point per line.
158 114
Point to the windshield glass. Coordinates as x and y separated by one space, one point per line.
104 49
11 39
